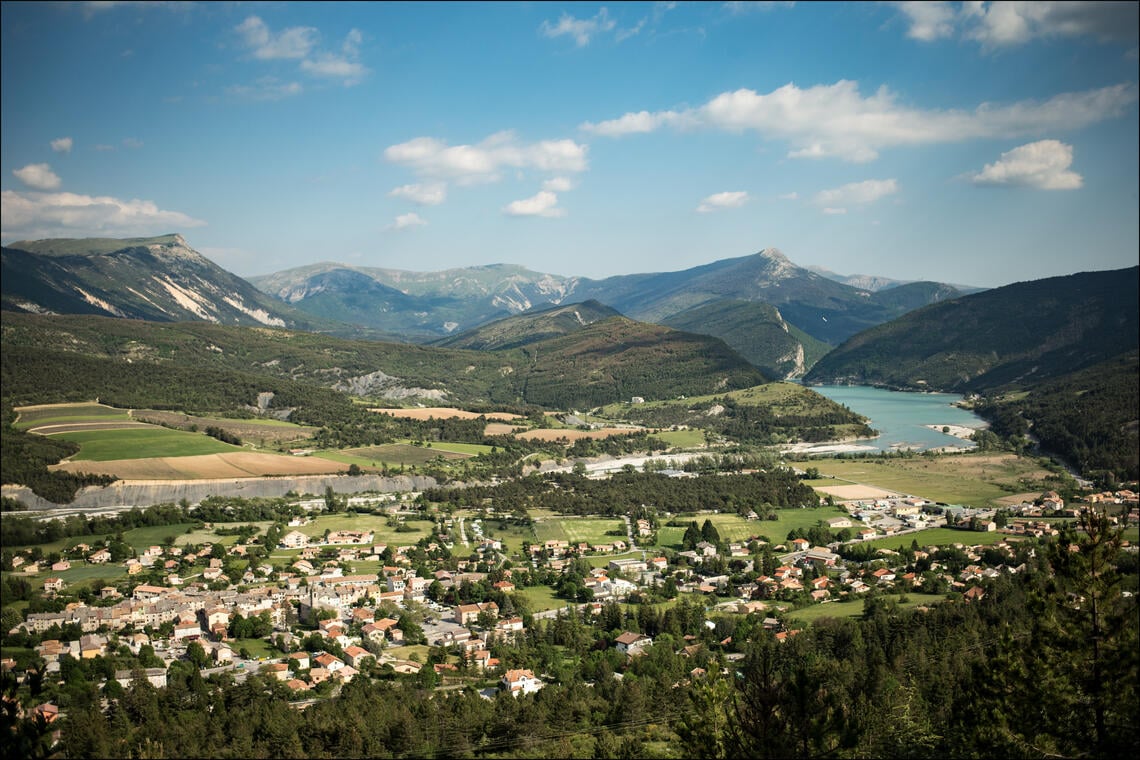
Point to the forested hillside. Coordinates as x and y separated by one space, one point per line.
1009 337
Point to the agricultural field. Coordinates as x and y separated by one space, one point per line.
573 434
234 463
940 537
403 454
41 415
980 479
444 412
383 534
138 443
690 438
263 432
592 530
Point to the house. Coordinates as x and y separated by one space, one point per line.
407 667
469 613
99 557
356 656
632 643
156 677
628 565
53 585
294 539
837 523
706 549
187 630
278 670
329 662
517 682
509 627
91 646
299 660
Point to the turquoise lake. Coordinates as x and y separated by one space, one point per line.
901 417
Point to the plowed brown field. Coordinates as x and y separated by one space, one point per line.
444 412
232 465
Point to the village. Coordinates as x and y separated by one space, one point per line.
324 625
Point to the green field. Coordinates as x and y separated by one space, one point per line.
975 479
734 528
691 438
65 413
939 537
540 598
854 608
141 538
592 530
511 536
83 573
105 445
404 454
375 523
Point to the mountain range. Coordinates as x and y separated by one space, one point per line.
425 306
505 335
779 316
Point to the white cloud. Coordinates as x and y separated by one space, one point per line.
335 67
344 65
62 145
40 215
1043 165
639 123
292 43
558 184
38 176
1003 24
300 43
838 121
728 199
929 21
484 162
792 196
406 221
425 195
542 204
266 88
860 193
580 29
833 211
132 142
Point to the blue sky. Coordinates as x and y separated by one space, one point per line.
976 143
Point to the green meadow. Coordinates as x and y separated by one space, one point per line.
939 537
137 443
734 528
977 479
854 607
592 530
383 534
